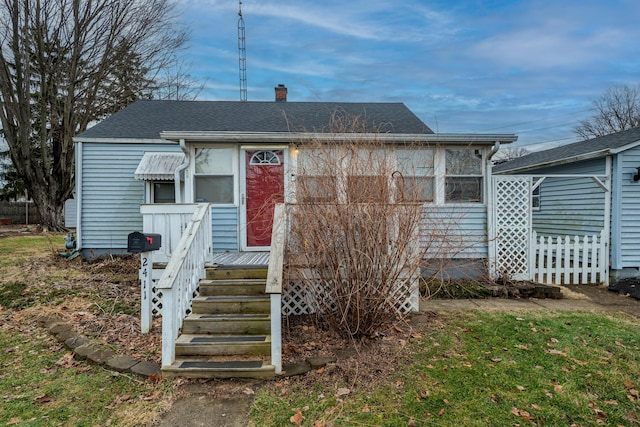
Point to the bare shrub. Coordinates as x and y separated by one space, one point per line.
359 229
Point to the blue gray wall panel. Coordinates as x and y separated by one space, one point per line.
629 215
571 206
455 231
224 227
111 197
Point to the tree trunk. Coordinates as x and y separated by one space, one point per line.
50 210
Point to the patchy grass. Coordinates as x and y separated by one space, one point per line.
41 384
483 368
15 250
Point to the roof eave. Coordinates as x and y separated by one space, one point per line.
625 147
296 137
122 140
558 162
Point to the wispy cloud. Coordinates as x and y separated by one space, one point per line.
469 66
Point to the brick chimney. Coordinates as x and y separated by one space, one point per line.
281 93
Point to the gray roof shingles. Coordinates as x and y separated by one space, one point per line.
571 151
146 119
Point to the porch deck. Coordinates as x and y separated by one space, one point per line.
239 258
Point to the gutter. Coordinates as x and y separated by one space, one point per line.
297 137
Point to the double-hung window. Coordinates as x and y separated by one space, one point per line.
366 175
214 178
316 178
463 176
414 175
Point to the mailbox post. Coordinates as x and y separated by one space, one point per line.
145 244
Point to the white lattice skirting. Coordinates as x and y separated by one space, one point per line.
295 299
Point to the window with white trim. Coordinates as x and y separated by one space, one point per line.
163 192
214 178
535 198
316 179
463 176
415 172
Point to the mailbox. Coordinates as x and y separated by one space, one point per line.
143 242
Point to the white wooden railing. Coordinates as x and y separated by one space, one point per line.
168 220
570 259
180 279
274 282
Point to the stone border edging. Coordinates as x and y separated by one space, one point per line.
85 349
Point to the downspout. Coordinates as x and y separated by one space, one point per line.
79 173
179 169
491 230
494 150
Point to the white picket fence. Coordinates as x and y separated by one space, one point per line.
559 260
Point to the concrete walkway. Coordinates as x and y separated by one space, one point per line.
575 297
227 403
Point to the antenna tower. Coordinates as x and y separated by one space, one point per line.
242 52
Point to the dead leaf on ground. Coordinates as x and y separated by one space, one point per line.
342 391
297 418
45 398
521 413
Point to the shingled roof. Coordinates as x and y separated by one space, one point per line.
590 148
148 118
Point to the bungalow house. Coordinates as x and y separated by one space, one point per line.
215 169
586 188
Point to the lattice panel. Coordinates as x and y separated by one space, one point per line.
296 300
513 225
156 301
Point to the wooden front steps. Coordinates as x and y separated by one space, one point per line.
228 333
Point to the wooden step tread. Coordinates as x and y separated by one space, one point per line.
232 298
257 369
238 282
230 316
220 339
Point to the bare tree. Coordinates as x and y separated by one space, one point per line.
65 64
359 231
176 83
617 110
511 153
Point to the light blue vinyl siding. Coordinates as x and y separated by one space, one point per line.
457 232
570 206
111 197
224 228
629 215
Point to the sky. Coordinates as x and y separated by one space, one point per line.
532 68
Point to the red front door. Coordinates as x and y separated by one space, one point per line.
264 188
